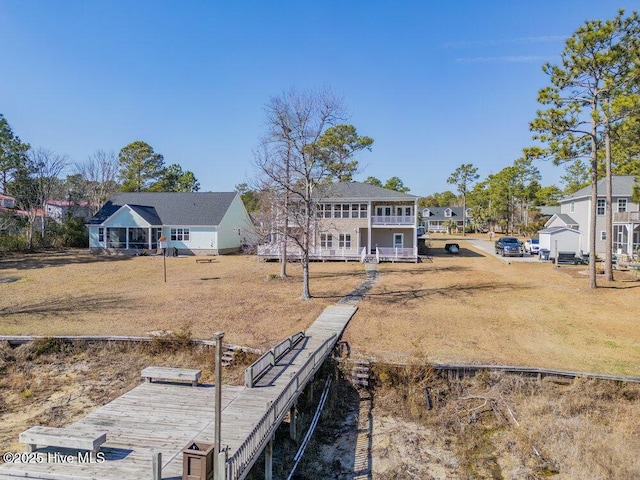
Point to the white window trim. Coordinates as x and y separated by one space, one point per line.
401 240
344 241
626 204
603 235
327 239
183 236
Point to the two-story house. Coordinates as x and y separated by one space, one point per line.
437 219
353 221
576 214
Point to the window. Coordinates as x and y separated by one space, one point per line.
407 212
603 235
341 210
572 207
326 240
600 206
344 240
179 234
345 210
447 212
359 210
101 234
363 210
622 205
324 210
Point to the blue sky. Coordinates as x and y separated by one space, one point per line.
435 83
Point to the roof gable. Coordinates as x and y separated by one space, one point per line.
170 208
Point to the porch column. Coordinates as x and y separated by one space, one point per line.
370 222
126 238
149 238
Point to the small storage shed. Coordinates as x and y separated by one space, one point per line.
560 239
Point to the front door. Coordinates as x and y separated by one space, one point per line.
398 240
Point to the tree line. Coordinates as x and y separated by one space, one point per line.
35 176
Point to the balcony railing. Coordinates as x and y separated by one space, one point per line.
392 220
625 217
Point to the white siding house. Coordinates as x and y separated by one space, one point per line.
575 213
194 223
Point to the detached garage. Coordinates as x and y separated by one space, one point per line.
559 239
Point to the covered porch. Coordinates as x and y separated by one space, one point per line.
626 234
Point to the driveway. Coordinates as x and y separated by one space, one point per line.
488 247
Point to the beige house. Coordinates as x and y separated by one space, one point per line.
358 221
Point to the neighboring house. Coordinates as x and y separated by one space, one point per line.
437 219
576 210
355 221
58 210
7 202
195 223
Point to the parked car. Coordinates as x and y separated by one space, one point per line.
532 246
509 247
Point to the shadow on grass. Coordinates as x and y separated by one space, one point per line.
31 261
463 252
451 292
63 306
429 270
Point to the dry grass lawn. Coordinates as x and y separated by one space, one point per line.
470 307
75 293
475 308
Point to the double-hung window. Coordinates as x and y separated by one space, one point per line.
600 206
622 205
101 234
344 241
326 240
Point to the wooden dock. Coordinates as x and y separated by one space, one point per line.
165 418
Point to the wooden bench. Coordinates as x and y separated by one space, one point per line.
168 373
205 260
70 437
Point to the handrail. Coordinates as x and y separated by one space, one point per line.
269 359
241 459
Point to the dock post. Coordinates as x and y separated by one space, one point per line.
218 401
156 462
268 460
293 422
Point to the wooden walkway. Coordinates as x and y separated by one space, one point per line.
163 417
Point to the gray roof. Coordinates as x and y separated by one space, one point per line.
438 212
621 186
566 219
357 191
557 229
170 208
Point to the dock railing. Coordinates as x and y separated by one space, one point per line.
269 359
243 457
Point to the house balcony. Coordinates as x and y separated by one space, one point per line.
385 220
626 217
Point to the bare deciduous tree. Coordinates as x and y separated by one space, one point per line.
100 171
291 165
